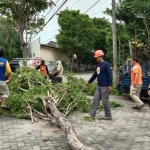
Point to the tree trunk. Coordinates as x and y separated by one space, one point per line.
20 26
67 127
25 54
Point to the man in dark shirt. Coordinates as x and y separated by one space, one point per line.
103 74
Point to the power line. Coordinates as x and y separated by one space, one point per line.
50 10
52 16
55 12
67 3
92 6
74 3
49 39
62 7
100 10
51 24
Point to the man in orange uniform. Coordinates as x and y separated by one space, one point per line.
5 72
43 69
136 84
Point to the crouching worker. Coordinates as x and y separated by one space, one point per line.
4 68
43 69
56 76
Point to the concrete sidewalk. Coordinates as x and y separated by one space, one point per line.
129 130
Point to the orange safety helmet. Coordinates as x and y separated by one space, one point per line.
99 53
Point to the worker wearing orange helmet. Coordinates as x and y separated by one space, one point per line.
103 74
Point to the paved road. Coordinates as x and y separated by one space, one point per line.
129 130
84 76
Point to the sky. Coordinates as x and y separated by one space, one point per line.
51 29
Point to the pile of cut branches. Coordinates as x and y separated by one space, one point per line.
28 87
31 95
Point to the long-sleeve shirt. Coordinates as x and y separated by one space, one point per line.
103 74
4 69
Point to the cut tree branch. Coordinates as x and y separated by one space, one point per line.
67 127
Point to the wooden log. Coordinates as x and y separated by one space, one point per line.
67 127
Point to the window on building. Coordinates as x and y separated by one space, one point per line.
33 54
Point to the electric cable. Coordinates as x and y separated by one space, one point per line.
49 39
55 13
66 4
92 6
52 16
50 24
62 7
74 3
47 15
100 10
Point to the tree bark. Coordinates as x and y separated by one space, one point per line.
67 127
25 54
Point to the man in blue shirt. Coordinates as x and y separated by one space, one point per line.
5 72
103 74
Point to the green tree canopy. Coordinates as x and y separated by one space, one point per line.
80 34
102 36
76 33
135 17
9 39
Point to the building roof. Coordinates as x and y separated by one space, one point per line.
45 45
52 44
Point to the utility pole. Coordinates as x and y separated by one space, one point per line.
119 52
114 42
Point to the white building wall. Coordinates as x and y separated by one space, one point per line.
52 54
34 48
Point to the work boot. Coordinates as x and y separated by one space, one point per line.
141 106
134 107
106 118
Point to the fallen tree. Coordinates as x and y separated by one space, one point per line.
33 96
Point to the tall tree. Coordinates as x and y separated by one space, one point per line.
9 39
136 17
26 15
103 33
76 33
